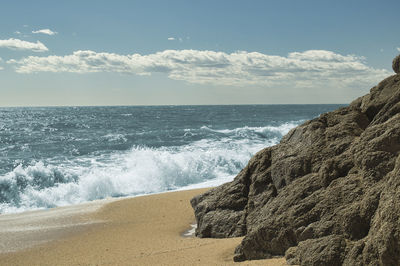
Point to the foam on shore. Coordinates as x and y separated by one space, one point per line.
24 230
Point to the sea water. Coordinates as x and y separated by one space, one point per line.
55 156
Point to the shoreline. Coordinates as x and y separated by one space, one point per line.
143 230
21 231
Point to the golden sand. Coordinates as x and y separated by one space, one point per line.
136 231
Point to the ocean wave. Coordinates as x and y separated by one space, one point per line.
141 170
209 157
281 130
115 138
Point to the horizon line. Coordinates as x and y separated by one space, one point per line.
160 105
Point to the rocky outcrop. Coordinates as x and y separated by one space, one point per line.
396 64
327 194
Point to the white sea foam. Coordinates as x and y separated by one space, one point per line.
282 129
191 231
141 170
115 137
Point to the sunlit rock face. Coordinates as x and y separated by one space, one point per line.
328 194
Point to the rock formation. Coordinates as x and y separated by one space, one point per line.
327 194
396 64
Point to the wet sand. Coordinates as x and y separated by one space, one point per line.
144 230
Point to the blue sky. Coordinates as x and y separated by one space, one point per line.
193 52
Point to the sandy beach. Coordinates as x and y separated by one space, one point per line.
147 230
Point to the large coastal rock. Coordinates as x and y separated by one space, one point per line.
396 64
328 194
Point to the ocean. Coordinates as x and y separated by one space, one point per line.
56 156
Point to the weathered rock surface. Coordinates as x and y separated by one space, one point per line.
328 194
396 64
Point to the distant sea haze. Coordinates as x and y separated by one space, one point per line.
57 156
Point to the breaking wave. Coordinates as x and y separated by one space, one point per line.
140 170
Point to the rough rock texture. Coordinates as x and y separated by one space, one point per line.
396 64
328 194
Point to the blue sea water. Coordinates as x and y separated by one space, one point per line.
55 156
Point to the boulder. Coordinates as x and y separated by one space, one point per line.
327 194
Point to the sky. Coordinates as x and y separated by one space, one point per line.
70 53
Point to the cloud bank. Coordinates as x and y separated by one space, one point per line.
17 44
45 31
313 68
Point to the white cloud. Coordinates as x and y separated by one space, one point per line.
17 44
1 60
398 49
313 68
171 39
17 32
45 31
